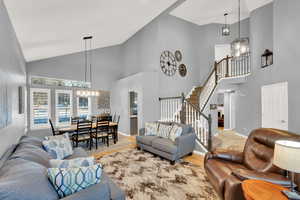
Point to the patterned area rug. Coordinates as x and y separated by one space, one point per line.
145 177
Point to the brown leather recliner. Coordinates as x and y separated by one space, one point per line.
226 170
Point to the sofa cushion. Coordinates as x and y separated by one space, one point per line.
7 154
68 181
31 140
164 144
32 153
78 153
146 139
25 180
72 163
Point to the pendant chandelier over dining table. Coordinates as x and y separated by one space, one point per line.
88 58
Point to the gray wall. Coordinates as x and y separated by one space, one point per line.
249 94
12 64
141 54
106 67
286 50
274 26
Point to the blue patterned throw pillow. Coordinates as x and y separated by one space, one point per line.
151 128
59 147
67 181
73 163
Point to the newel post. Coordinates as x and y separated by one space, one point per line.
209 142
216 72
183 110
227 66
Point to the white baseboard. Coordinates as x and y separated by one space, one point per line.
121 133
199 153
201 146
244 136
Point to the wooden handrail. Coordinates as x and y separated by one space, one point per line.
169 98
226 58
190 113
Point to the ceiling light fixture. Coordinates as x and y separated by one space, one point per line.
240 46
226 27
88 68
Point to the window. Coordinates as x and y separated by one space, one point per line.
63 107
83 107
40 108
42 81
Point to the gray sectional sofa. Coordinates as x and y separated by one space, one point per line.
165 147
23 176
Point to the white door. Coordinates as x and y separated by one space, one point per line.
275 106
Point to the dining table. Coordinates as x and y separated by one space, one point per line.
73 128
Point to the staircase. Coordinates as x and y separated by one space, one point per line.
190 109
194 97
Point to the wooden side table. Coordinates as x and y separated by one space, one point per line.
261 190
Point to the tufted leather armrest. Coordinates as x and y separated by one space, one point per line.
232 156
278 179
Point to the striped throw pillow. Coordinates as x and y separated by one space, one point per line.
175 132
164 130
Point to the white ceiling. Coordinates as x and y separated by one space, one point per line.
203 12
48 28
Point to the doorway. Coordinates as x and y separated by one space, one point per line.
133 112
226 110
275 106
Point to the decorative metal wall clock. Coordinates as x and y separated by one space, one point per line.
182 70
168 63
178 56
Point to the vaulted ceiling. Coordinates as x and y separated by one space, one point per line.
49 28
203 12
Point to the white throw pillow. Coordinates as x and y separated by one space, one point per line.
72 163
59 147
175 132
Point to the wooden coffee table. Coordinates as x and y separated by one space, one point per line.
261 190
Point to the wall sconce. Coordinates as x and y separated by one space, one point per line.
267 58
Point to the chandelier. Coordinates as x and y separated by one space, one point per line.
226 27
240 46
88 68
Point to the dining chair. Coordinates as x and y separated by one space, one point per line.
114 117
74 120
54 131
113 130
83 133
117 119
102 131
